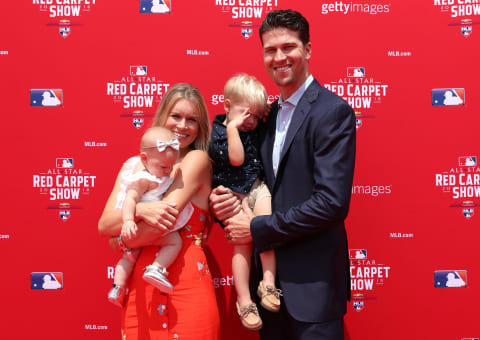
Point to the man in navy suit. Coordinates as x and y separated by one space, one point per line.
308 152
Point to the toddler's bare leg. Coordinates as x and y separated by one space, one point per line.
241 261
269 266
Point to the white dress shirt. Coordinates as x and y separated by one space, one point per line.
284 117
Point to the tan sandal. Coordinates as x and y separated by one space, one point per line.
270 297
249 316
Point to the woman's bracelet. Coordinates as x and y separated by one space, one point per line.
122 245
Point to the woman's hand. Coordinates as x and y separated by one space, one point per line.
160 215
113 243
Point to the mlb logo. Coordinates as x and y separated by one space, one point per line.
466 31
357 253
247 32
64 31
468 212
356 72
467 161
46 281
46 97
358 305
358 119
64 163
358 123
138 122
448 97
64 215
138 70
155 6
64 28
450 278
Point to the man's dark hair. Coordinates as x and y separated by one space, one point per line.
289 19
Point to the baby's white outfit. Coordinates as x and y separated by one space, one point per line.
127 177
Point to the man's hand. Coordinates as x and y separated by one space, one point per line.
238 226
264 115
223 203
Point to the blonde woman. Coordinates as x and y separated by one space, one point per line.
191 310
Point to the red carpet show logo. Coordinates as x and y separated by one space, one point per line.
461 8
64 183
64 10
360 90
138 93
248 14
365 275
462 183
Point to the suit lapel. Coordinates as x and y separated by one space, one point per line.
301 111
267 145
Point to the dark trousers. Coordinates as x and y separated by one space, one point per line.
281 326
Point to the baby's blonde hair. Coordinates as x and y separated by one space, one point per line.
246 87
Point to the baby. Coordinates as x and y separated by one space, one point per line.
145 179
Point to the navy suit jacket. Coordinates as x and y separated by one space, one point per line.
310 201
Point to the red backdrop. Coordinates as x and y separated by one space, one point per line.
416 195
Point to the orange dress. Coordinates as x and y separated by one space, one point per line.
191 311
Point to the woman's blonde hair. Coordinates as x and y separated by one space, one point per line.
246 87
191 93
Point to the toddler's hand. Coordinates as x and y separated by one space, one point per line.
240 119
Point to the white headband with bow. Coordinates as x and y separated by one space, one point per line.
173 143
